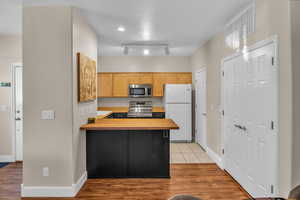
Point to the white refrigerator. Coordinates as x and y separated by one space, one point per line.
178 107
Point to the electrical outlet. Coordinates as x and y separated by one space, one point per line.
45 171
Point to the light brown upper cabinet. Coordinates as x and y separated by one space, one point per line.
184 78
120 85
119 82
105 84
160 79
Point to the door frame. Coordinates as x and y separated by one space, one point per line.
201 70
13 108
271 40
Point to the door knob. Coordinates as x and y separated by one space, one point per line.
244 128
18 119
204 114
238 126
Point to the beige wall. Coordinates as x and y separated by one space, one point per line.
84 41
52 38
144 64
10 52
272 18
47 55
295 18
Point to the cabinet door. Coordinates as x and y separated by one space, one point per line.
159 79
184 78
148 154
140 154
161 155
105 85
133 78
146 78
171 78
120 85
106 154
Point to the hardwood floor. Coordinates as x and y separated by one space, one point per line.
10 181
206 181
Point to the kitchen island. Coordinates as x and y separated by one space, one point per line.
128 148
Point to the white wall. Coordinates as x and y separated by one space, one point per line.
47 56
10 52
140 64
295 18
144 64
85 42
272 18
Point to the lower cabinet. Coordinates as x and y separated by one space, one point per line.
128 154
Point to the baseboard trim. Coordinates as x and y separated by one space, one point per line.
7 158
80 182
65 191
215 157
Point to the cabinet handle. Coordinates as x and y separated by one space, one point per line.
165 135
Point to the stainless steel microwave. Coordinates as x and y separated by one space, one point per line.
140 91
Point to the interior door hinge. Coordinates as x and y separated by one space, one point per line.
272 189
223 112
223 151
272 125
223 73
273 61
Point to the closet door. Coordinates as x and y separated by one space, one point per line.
250 131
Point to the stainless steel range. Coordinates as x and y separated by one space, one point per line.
140 109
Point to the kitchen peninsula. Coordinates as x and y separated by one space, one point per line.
128 148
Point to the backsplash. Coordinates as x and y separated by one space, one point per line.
122 102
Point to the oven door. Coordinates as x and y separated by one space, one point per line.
139 91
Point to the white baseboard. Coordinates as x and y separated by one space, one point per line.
215 157
7 158
65 191
80 182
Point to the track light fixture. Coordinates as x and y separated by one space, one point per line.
145 47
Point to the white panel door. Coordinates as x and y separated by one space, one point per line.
201 112
250 132
19 112
181 115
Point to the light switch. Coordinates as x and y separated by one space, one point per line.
48 115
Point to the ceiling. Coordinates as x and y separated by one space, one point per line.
183 24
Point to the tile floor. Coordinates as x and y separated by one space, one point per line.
188 153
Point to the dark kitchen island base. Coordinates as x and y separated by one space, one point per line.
128 154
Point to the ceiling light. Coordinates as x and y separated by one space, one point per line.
146 52
121 29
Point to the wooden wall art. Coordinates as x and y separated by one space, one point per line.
87 78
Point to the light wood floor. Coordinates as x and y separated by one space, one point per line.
206 181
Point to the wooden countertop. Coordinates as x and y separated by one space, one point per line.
131 124
125 109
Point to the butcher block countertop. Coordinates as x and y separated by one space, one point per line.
131 124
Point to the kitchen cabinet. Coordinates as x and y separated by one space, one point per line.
105 84
120 85
132 153
116 84
160 79
185 78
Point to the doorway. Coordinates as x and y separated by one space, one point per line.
200 106
250 119
17 110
